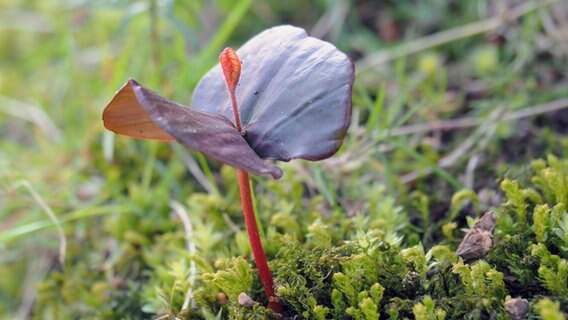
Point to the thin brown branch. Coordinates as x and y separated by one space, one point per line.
33 114
194 168
468 122
458 152
414 46
450 159
154 34
180 211
39 200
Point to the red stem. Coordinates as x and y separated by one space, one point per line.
231 66
255 244
236 111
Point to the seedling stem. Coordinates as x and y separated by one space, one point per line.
231 66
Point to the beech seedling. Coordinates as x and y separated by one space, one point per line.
289 97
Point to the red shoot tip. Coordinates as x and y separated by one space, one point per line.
231 66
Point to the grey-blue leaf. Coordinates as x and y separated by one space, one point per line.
294 94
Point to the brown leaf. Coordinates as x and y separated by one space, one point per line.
125 116
141 113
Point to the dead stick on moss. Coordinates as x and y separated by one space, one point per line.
455 124
452 157
155 35
180 211
31 113
446 36
194 168
473 122
35 195
486 129
468 122
35 272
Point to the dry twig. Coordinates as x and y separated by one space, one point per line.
414 46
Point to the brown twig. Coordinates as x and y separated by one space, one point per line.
414 46
194 168
456 154
180 211
154 34
469 122
461 150
60 232
331 22
33 114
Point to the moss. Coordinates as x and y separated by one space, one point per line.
549 310
370 274
332 267
234 277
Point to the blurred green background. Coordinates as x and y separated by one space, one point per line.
437 107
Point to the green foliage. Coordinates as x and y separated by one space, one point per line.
415 259
541 222
549 310
552 180
335 268
257 312
370 266
481 281
370 233
517 201
459 198
318 235
426 310
553 270
234 277
485 60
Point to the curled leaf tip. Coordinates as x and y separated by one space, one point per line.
231 66
275 172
